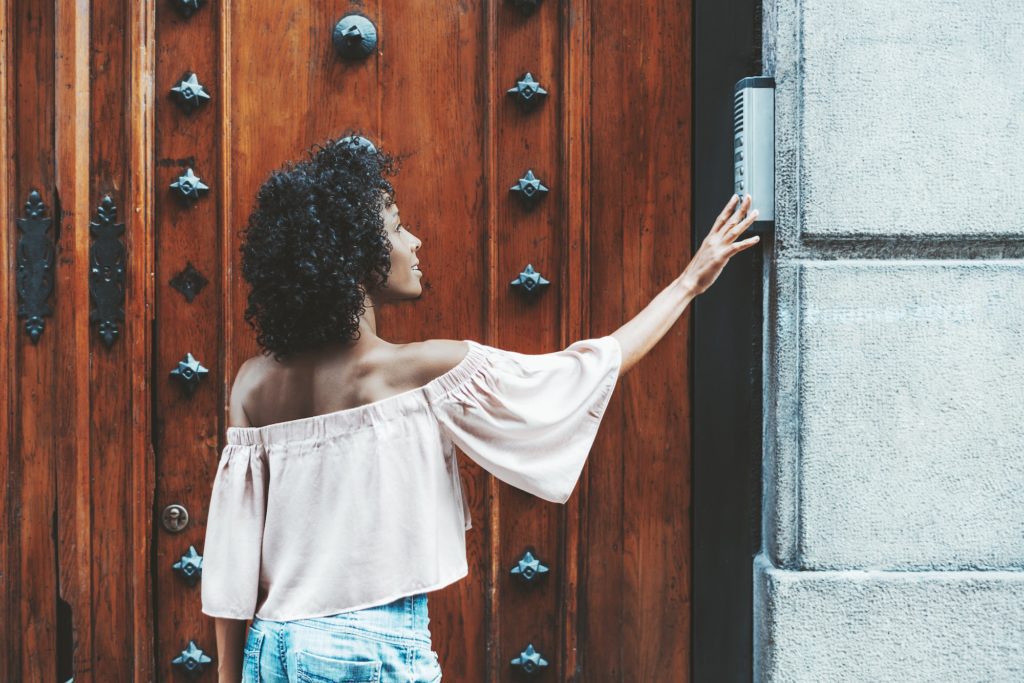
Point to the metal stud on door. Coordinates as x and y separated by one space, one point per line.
188 187
528 568
530 281
189 372
529 661
192 659
527 7
190 566
354 37
189 93
529 188
527 91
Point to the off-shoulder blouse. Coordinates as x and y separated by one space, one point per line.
362 506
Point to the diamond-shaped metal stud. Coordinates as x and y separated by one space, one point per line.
188 186
187 8
191 659
189 372
529 188
528 92
528 568
529 660
529 280
190 566
189 282
189 93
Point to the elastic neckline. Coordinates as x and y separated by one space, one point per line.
319 425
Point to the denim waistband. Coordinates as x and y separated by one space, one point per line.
406 617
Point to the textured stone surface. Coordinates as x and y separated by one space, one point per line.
894 345
858 626
911 395
899 118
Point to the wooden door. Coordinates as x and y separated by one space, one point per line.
101 436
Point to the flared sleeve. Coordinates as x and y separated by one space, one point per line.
234 533
531 419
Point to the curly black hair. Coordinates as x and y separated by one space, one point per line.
315 243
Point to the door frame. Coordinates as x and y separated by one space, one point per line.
727 371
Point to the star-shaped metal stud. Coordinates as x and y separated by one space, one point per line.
528 92
529 660
529 187
189 93
528 568
189 186
187 8
189 282
189 372
191 659
190 566
529 280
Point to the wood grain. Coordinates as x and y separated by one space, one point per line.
99 440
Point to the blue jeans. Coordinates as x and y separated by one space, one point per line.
384 644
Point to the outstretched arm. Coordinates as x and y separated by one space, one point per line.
639 335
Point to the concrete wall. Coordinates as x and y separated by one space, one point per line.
894 331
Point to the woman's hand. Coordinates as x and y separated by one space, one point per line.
647 327
720 245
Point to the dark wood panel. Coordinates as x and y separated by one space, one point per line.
109 418
75 566
611 141
30 435
529 140
186 428
638 526
434 59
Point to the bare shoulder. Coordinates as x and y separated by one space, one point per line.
429 359
246 379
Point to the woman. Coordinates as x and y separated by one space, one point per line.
337 504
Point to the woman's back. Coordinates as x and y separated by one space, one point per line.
336 378
349 508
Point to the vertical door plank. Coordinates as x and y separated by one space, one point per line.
433 109
110 404
186 426
8 340
138 217
75 561
525 141
32 447
639 508
288 90
574 126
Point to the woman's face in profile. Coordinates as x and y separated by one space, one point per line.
404 278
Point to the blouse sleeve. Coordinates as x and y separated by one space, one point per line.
531 419
234 533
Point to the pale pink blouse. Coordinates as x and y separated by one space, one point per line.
359 507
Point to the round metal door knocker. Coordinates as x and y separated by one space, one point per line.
175 517
354 37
